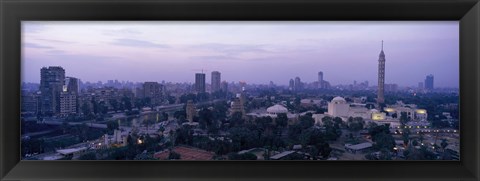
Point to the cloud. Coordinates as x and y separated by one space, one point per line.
138 43
213 57
54 41
121 32
33 45
231 49
56 52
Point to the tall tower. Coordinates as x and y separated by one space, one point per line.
381 77
200 82
429 82
320 80
215 81
298 84
52 80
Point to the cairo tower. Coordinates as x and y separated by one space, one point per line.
381 77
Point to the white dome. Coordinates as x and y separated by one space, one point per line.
339 99
276 109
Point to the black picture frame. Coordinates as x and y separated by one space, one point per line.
12 12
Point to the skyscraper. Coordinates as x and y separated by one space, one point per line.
224 87
381 77
320 80
52 80
429 82
200 82
298 84
216 79
291 84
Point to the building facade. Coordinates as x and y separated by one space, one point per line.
429 82
153 91
68 103
320 80
52 80
298 84
191 111
216 79
200 82
338 107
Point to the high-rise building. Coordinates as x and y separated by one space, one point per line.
152 90
298 84
52 80
429 82
200 82
320 80
216 79
381 77
224 87
291 84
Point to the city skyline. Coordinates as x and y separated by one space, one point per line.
92 49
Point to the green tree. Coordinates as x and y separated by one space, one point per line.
112 125
86 109
355 124
306 121
114 104
127 103
327 120
384 141
236 119
281 120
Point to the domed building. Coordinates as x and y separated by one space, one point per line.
277 109
339 100
338 107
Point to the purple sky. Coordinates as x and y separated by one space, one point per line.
255 52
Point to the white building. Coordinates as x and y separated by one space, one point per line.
412 112
276 109
338 107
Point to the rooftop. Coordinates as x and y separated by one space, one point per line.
359 146
281 155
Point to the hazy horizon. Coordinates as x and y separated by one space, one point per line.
255 52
